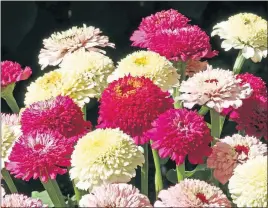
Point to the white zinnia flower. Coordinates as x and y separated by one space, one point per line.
150 65
215 88
244 31
104 156
248 185
10 132
66 42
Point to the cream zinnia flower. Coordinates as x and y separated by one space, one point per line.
244 31
82 75
66 42
10 132
115 195
215 88
150 65
104 156
248 185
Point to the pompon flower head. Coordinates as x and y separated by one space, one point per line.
58 114
115 195
104 156
244 31
40 155
150 65
182 44
10 132
20 200
166 19
60 44
192 193
215 88
83 75
11 73
252 115
194 66
131 104
178 133
248 185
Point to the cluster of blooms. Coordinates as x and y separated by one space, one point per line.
20 200
169 34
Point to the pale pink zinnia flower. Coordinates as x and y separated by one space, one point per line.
62 43
215 88
232 151
20 200
194 66
192 193
115 195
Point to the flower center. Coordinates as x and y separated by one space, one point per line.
38 146
241 148
141 61
202 197
212 81
127 89
53 78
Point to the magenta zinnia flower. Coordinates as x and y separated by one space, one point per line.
131 104
115 195
20 200
12 72
192 193
59 114
40 155
179 132
182 44
169 19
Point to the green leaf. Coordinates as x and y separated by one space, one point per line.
203 175
209 125
172 176
163 161
71 201
198 168
43 196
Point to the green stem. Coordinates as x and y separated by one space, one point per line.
54 193
12 103
9 181
144 172
84 110
217 122
77 193
158 175
238 63
203 111
180 169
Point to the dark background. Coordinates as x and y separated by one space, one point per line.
26 24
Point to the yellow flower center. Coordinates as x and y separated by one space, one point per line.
129 89
49 79
142 61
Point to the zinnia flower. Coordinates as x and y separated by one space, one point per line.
12 72
244 31
192 193
166 19
104 156
132 103
182 44
10 132
179 132
20 200
62 43
248 185
150 65
252 115
115 195
59 114
194 66
40 155
83 75
215 88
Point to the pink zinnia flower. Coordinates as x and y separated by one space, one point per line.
131 104
232 151
252 115
20 200
182 44
40 155
115 195
166 19
59 114
179 132
192 193
12 72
